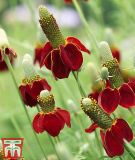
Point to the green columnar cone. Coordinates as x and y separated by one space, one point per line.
95 112
112 64
50 27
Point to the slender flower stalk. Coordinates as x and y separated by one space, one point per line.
88 29
17 127
83 94
26 112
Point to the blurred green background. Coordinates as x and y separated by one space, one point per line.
19 18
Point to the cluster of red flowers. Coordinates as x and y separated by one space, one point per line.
62 56
51 119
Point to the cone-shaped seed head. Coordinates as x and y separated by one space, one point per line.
28 67
94 111
105 51
46 101
50 27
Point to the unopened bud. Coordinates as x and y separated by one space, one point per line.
104 73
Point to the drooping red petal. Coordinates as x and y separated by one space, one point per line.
65 115
113 145
122 130
109 99
102 134
127 96
53 124
71 56
59 69
132 85
45 51
91 128
26 94
79 45
37 55
38 123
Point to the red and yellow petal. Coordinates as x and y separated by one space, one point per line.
109 99
91 128
53 124
65 115
79 45
59 69
45 52
113 145
38 123
127 96
71 56
94 95
122 130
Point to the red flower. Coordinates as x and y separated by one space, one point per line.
110 98
52 122
116 53
63 59
37 55
11 55
113 138
31 89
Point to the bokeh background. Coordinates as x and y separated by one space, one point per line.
19 18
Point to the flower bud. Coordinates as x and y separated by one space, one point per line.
50 27
46 101
112 64
104 73
95 112
3 40
28 67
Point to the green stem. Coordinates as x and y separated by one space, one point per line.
51 140
86 25
82 130
98 143
26 112
129 152
17 128
82 92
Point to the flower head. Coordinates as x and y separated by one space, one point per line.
59 55
117 92
113 132
5 50
51 119
32 84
